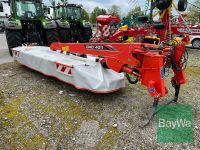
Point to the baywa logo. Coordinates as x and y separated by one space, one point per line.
178 123
174 124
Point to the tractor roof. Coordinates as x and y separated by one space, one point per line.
74 5
38 1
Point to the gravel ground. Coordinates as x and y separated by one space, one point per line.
38 112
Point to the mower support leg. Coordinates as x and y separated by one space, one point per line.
154 110
177 90
152 113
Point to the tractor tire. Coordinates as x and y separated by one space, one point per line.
77 35
196 43
1 30
51 36
142 19
159 26
65 35
182 5
87 35
14 39
163 4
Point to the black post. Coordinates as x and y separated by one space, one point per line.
151 12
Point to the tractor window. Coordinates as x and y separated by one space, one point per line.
28 9
49 11
58 12
74 13
1 7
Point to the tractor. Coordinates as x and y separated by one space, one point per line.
28 25
72 27
60 15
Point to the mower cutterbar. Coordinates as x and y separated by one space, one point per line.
146 62
82 73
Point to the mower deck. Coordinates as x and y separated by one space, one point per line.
82 73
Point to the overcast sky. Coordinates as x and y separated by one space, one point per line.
125 5
89 5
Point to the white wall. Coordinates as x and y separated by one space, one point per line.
6 9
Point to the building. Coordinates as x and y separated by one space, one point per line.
6 12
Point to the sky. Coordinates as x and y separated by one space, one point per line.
125 5
89 5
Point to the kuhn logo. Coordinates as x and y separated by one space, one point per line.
64 69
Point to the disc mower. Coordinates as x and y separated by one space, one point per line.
142 62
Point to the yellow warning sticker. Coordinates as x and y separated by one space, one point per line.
65 48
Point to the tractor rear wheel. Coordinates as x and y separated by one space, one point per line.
182 5
142 19
77 35
87 34
51 36
196 43
14 39
65 35
163 4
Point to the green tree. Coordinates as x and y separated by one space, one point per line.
137 11
194 12
114 10
96 12
85 14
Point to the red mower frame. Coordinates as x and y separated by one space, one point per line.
147 63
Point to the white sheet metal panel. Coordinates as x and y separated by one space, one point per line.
83 73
